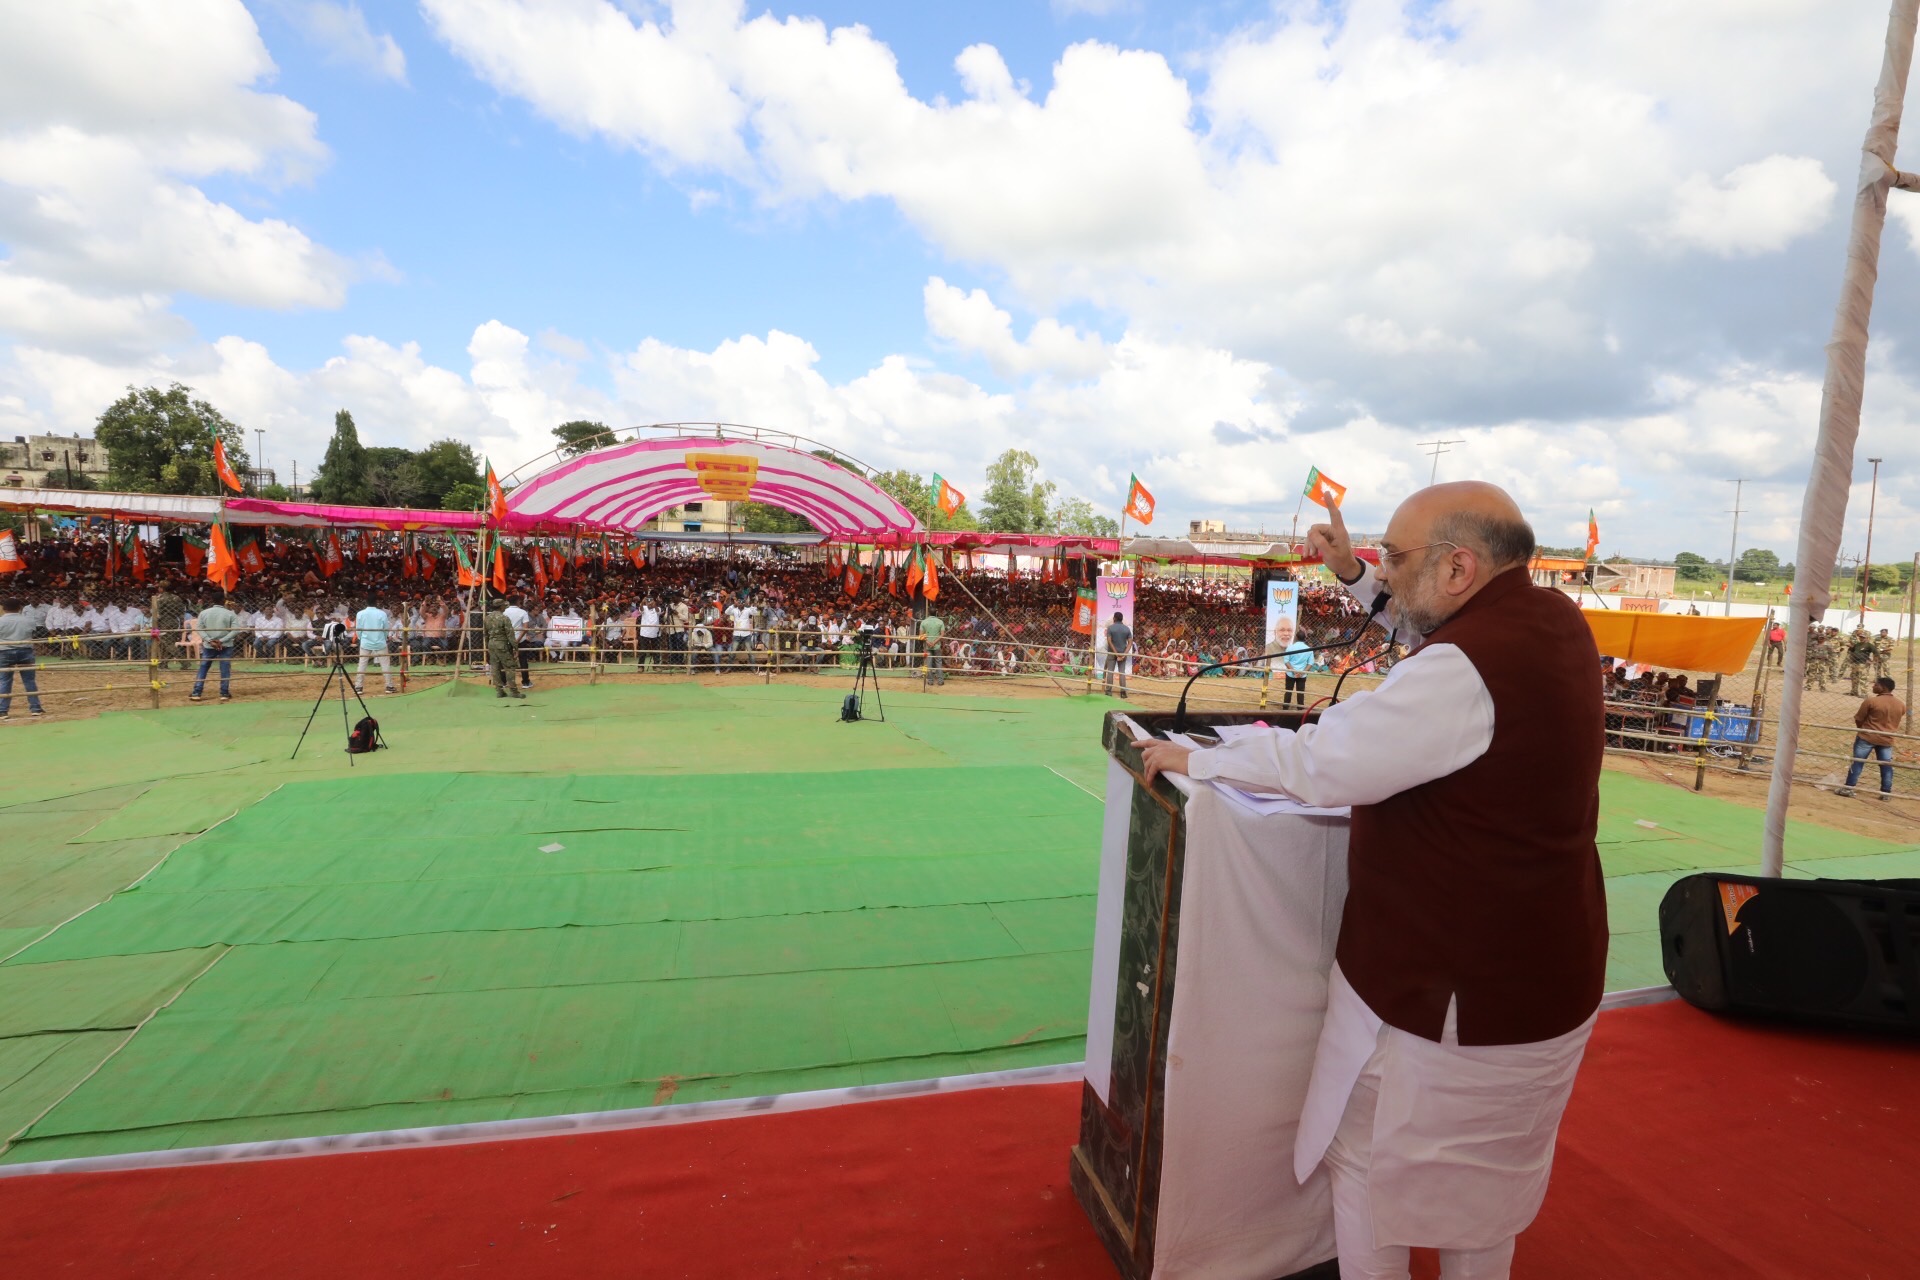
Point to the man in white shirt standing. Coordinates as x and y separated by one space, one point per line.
372 624
522 621
1472 948
649 649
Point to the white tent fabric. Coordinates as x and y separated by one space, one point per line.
1824 513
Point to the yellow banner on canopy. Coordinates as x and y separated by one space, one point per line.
1674 641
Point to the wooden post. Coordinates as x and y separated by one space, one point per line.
593 643
1913 584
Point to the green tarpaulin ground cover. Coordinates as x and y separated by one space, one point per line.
607 896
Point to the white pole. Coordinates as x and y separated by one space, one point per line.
1823 514
1733 547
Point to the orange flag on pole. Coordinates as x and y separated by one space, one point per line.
1593 534
11 561
1139 501
496 498
221 465
222 566
499 566
930 584
1322 491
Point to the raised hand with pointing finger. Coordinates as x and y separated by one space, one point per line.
1335 545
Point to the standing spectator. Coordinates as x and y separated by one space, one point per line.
16 655
522 623
372 624
1295 659
931 629
1119 654
649 648
216 625
1776 642
1876 720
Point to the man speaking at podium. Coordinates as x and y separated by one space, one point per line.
1473 945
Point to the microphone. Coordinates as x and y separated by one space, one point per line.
1380 600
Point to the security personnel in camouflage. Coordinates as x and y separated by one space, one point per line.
1859 661
1820 657
1882 655
502 656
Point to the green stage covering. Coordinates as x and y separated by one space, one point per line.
608 896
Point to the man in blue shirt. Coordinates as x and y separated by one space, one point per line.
372 625
1296 657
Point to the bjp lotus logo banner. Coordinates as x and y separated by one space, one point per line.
727 477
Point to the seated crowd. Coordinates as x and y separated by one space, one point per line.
690 605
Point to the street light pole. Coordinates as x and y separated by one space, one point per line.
1866 565
1733 548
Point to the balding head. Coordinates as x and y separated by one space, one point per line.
1445 543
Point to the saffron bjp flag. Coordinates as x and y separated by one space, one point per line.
854 578
332 559
194 552
946 497
496 498
539 568
427 560
915 573
1593 534
464 574
1323 491
136 556
1086 609
637 553
248 554
930 584
222 467
1139 501
222 566
499 566
11 561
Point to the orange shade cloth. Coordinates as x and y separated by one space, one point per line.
1675 641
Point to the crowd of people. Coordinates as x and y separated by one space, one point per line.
700 607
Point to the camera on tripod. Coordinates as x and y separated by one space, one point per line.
334 637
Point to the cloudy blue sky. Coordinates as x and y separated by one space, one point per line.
1210 243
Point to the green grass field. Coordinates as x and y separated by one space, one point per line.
606 896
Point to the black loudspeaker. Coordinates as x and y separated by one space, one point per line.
1840 952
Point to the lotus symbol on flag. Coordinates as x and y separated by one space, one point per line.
725 476
1119 588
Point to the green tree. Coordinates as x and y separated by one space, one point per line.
1756 564
581 436
342 477
392 477
162 441
67 477
464 496
1692 567
915 492
1882 577
1017 499
759 517
1077 516
277 493
442 465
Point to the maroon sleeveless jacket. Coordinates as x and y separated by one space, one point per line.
1485 884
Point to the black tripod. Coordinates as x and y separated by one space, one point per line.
337 668
854 707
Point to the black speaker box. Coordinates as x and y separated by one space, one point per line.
1840 952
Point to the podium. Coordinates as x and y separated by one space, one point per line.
1213 943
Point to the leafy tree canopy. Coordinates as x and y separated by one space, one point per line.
342 477
162 441
442 465
759 517
465 496
1017 500
582 436
1757 564
1077 516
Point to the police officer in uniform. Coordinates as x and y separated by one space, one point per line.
1859 660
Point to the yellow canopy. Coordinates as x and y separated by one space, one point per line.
1675 641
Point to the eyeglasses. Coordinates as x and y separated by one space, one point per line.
1391 559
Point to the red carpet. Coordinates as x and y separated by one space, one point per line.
1693 1148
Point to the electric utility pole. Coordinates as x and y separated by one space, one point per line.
1436 448
1733 549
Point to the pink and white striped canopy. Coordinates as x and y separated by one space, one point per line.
624 486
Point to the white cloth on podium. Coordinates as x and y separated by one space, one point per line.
1260 905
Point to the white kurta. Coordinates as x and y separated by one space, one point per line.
1463 1135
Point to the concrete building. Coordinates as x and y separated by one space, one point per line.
26 462
1634 579
711 515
